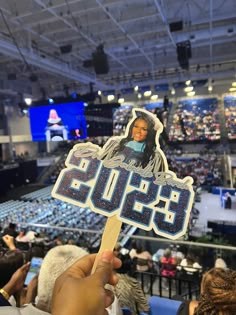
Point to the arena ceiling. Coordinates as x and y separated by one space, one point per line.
136 36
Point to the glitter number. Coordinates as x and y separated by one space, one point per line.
136 209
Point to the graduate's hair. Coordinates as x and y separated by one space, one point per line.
217 293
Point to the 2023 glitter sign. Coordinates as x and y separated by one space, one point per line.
149 197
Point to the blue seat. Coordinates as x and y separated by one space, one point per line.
163 306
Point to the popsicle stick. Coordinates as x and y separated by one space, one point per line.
109 237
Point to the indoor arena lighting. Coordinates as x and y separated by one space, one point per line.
139 95
154 97
28 101
192 93
172 91
188 82
110 98
232 89
147 93
188 89
136 88
99 92
234 84
121 100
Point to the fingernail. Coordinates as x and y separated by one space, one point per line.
106 256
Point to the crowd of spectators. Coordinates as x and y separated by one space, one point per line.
230 116
195 120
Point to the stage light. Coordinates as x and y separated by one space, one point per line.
99 92
136 88
139 95
232 89
121 100
50 100
192 93
110 98
188 82
172 91
210 88
147 93
188 89
154 97
234 84
74 95
28 101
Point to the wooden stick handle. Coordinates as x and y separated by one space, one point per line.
109 238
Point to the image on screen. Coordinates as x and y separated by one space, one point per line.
58 122
35 265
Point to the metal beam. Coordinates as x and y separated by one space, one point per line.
57 68
164 20
75 28
121 28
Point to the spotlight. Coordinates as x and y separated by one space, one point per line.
232 89
188 82
210 88
99 92
172 91
50 101
74 95
121 100
192 93
28 101
234 84
147 93
188 89
110 98
136 88
154 97
139 95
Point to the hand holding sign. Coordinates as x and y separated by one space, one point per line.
129 179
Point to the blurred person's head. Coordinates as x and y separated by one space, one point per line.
167 253
57 260
218 296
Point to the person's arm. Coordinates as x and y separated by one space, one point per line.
16 282
76 292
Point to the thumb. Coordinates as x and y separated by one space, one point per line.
104 267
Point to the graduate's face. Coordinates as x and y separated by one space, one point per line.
140 130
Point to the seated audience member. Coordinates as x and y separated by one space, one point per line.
21 237
55 263
10 230
128 290
143 257
217 295
220 263
168 264
189 265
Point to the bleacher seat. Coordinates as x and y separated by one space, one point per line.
163 306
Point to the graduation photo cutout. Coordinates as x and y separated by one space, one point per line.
128 180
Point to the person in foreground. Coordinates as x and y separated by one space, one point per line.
218 295
76 292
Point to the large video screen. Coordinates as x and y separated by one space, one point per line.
58 122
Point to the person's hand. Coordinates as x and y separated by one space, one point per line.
9 241
17 280
29 293
76 292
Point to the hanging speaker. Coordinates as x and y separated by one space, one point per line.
100 61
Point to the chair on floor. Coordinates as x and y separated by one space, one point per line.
163 306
